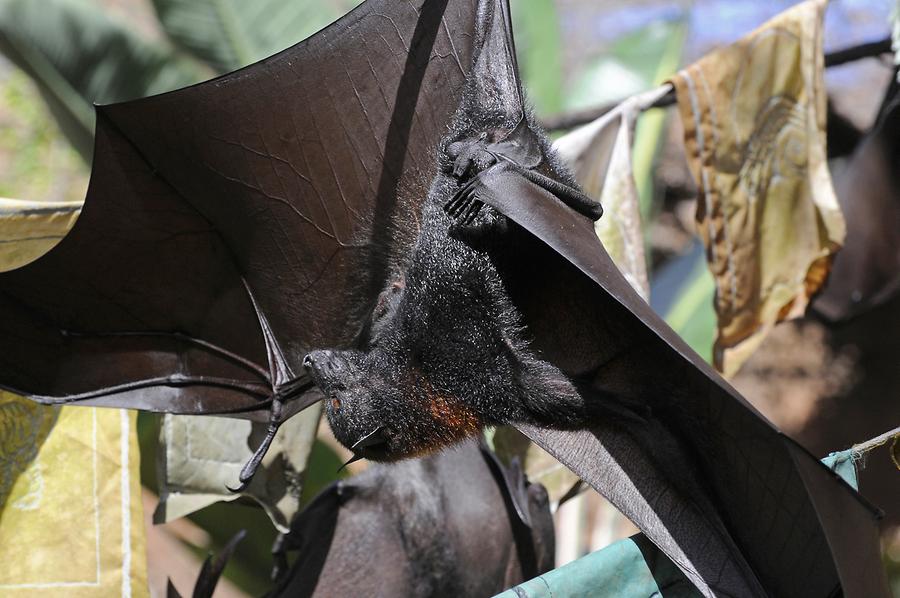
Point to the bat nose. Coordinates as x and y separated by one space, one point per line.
314 359
323 365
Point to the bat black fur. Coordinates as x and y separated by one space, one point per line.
442 525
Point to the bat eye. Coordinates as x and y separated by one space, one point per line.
335 403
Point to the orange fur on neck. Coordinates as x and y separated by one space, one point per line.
456 420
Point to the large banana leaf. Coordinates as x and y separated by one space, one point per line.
539 48
228 34
635 62
682 292
77 55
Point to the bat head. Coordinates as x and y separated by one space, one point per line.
441 353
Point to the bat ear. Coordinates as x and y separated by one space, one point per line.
495 75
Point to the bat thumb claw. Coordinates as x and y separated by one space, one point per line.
239 488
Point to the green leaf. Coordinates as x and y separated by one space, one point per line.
38 162
539 52
651 125
637 62
77 55
228 34
692 314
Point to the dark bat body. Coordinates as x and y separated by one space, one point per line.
443 525
866 271
464 334
447 351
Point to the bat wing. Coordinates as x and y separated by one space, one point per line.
749 512
771 517
232 225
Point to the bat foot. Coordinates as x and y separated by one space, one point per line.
470 156
465 204
472 221
482 231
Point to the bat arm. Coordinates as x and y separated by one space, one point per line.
293 389
175 380
466 203
570 196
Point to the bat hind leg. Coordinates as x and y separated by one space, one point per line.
481 226
472 221
570 196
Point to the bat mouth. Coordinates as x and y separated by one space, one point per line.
378 440
375 446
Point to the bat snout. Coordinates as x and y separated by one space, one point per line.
327 368
314 358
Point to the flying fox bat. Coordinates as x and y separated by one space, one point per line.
303 205
424 527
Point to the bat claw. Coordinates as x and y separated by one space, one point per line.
239 488
457 204
249 470
461 200
474 208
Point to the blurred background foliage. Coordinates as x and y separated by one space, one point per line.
574 54
35 160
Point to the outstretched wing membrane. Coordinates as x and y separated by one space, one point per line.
231 225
